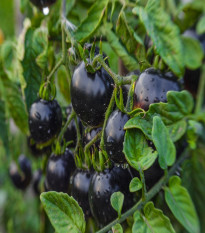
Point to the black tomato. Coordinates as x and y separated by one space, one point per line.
58 172
102 186
90 94
71 132
114 136
21 179
152 87
36 181
80 182
45 120
36 152
43 3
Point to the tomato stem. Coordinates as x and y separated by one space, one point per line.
149 196
143 185
71 116
91 142
119 80
107 114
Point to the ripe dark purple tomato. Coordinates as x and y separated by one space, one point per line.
80 182
90 94
45 120
21 180
43 3
58 172
102 186
114 136
152 87
36 181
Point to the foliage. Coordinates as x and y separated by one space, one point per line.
138 35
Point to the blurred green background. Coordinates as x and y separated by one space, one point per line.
7 17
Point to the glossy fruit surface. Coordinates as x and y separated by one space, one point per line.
90 94
80 182
21 179
58 172
102 186
114 136
71 132
45 120
43 3
152 87
36 181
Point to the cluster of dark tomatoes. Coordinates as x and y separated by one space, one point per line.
90 96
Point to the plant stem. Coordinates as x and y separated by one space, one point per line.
89 144
54 69
64 46
119 80
107 114
143 185
149 195
200 93
78 134
72 115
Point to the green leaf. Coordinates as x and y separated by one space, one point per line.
135 185
64 212
35 45
179 105
8 54
117 228
163 143
200 28
177 130
64 83
137 152
164 34
142 122
3 126
195 129
153 221
116 201
181 205
193 178
92 21
193 52
126 33
129 61
16 105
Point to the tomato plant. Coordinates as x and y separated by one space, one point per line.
105 99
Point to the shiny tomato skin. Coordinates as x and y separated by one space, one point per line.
80 182
45 120
90 94
58 172
152 87
102 186
114 136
